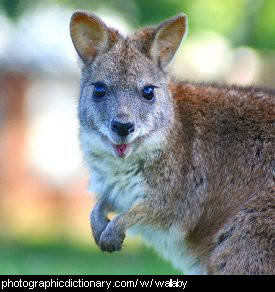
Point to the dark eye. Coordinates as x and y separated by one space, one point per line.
99 89
148 92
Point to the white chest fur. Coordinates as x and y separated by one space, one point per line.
119 180
170 245
121 186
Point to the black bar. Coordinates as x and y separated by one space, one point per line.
188 283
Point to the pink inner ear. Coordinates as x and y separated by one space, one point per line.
89 35
168 39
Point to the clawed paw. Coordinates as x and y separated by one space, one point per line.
111 240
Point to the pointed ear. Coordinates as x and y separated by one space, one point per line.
167 38
90 35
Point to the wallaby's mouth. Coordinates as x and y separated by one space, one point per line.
122 150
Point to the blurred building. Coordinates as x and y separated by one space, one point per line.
42 181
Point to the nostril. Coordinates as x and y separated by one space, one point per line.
122 129
131 127
114 126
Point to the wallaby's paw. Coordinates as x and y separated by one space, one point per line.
97 231
111 240
98 225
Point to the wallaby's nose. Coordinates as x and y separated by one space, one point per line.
122 129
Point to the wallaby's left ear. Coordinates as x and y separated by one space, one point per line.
167 38
90 35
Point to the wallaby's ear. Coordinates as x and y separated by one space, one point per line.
89 34
167 38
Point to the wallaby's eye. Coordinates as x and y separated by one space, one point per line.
99 89
148 92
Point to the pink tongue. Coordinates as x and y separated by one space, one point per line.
121 149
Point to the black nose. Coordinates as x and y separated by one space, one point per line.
122 129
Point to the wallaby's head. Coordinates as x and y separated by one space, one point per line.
125 104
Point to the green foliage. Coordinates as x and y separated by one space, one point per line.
60 258
263 32
245 22
11 8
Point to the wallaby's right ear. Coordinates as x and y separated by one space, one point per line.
167 38
90 35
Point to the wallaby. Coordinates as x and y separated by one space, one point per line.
188 166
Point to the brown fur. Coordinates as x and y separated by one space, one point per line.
235 129
211 174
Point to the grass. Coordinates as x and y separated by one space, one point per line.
19 258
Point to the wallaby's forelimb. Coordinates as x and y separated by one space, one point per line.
99 219
112 237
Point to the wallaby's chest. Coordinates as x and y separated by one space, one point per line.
170 243
121 183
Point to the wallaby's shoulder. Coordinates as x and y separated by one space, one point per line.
201 91
225 103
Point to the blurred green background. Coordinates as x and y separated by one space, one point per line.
44 207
